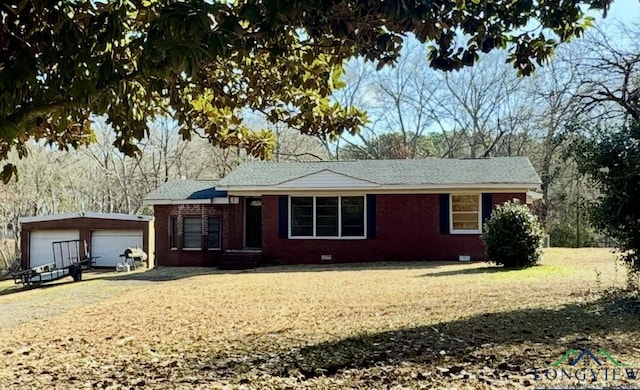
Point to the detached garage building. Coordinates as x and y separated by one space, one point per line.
106 235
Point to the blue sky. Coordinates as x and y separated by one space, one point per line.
625 11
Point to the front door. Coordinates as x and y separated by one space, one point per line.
253 223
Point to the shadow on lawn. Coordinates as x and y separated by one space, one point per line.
88 276
17 288
474 341
472 271
163 274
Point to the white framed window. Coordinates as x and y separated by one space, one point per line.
192 233
465 213
342 217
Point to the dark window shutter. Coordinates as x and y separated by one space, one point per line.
283 217
444 214
487 206
371 217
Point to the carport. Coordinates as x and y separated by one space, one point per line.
106 236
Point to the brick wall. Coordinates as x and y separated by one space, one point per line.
231 235
408 228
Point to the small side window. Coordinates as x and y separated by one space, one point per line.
214 233
173 232
465 214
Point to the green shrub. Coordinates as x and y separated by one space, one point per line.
513 236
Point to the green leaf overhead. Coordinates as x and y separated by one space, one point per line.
206 63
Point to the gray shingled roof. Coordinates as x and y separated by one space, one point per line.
430 171
186 189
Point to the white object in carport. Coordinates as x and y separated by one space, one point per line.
120 267
108 244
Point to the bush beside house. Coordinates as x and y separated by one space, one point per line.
513 236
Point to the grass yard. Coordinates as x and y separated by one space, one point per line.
403 325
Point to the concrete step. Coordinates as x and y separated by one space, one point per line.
240 260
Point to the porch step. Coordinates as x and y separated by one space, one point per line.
240 260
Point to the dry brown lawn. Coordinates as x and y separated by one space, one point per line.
385 325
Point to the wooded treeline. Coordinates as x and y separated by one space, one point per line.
414 111
591 84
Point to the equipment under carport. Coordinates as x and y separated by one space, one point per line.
133 258
68 259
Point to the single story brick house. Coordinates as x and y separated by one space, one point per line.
338 211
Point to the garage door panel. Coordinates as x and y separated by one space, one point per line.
109 244
41 249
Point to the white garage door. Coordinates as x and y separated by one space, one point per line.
108 245
41 250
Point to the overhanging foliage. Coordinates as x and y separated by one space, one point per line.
205 62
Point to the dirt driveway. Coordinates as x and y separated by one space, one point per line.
20 305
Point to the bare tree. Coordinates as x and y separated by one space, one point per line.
358 77
556 107
402 103
609 73
483 105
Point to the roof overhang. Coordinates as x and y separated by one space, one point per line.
386 189
168 202
112 216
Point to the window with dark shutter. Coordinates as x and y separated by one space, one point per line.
352 208
302 216
327 216
465 214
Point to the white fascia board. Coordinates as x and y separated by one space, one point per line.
42 218
122 217
58 217
388 189
169 202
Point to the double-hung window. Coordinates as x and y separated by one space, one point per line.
465 214
192 233
327 216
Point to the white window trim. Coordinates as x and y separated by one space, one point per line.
465 231
219 247
339 236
